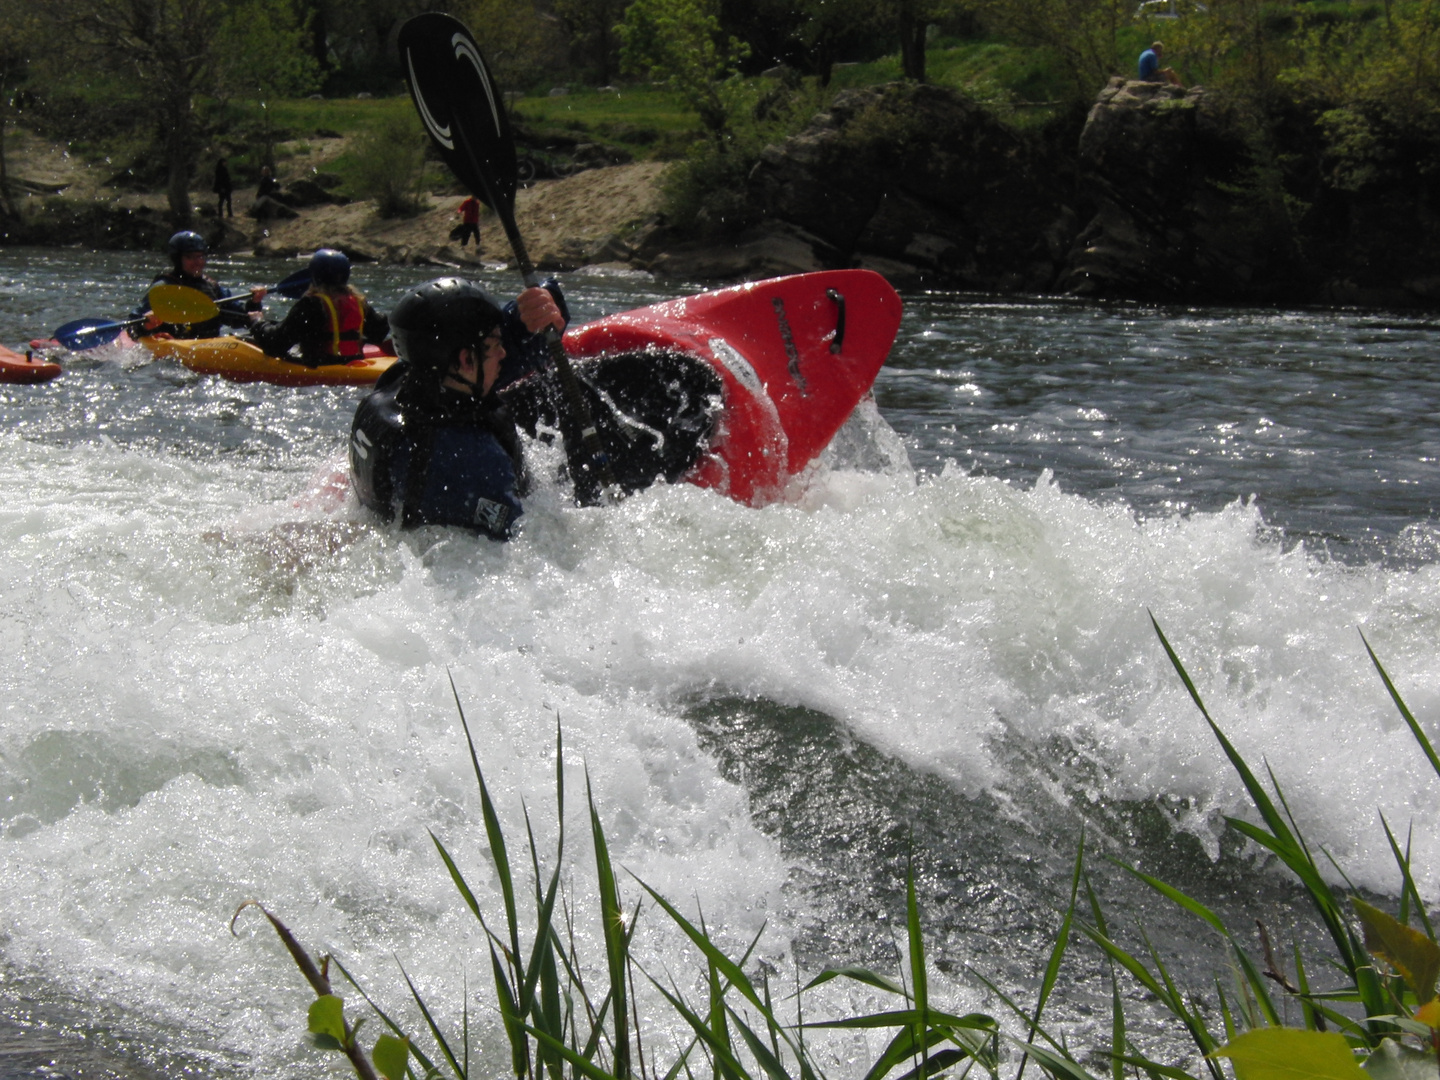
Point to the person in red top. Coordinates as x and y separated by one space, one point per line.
330 323
469 221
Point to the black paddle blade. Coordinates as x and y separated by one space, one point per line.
460 105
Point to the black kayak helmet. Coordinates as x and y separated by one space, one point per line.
432 323
329 267
185 242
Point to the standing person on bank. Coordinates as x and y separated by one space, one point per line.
188 254
433 443
331 323
469 212
223 189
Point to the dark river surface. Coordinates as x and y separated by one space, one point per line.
223 686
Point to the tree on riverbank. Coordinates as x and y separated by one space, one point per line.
682 44
164 54
19 33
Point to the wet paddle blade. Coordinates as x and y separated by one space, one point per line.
460 105
82 334
182 305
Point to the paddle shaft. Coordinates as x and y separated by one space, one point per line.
464 114
587 487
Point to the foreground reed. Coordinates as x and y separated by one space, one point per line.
1384 1017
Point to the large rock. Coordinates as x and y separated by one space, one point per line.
1176 211
922 180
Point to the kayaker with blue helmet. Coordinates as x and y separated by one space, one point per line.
433 443
188 254
331 323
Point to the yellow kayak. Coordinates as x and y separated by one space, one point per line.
241 361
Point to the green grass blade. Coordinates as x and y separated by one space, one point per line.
616 939
1257 794
1154 1068
858 974
543 943
727 967
936 1063
1415 729
582 1065
1060 1065
1409 893
1314 1019
719 1026
909 1018
430 1022
548 1014
511 1016
1173 894
1198 1030
729 1066
1118 1036
919 980
762 1053
1137 970
384 1016
1014 1008
495 838
1117 1024
1057 952
1256 981
458 879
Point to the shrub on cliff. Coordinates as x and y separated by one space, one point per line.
706 195
389 165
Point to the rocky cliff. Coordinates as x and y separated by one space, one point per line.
1167 195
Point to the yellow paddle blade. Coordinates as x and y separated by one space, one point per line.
181 304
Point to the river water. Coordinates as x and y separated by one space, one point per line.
222 682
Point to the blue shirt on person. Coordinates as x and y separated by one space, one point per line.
1149 65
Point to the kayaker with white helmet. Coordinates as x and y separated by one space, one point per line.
433 443
331 323
188 254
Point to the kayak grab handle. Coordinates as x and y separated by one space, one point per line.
839 338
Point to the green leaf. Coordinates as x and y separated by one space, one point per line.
1404 948
327 1017
390 1056
1392 1061
1415 728
859 974
1292 1054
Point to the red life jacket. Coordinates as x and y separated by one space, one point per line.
347 322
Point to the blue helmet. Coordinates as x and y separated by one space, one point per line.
329 267
185 241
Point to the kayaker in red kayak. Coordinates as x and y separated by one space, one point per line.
433 442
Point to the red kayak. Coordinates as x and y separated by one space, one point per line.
794 356
25 368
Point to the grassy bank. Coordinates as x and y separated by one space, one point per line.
565 1014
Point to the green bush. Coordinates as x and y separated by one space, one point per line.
389 165
705 194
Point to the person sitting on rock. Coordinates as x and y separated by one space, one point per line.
331 323
1150 69
268 204
433 443
268 186
188 253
